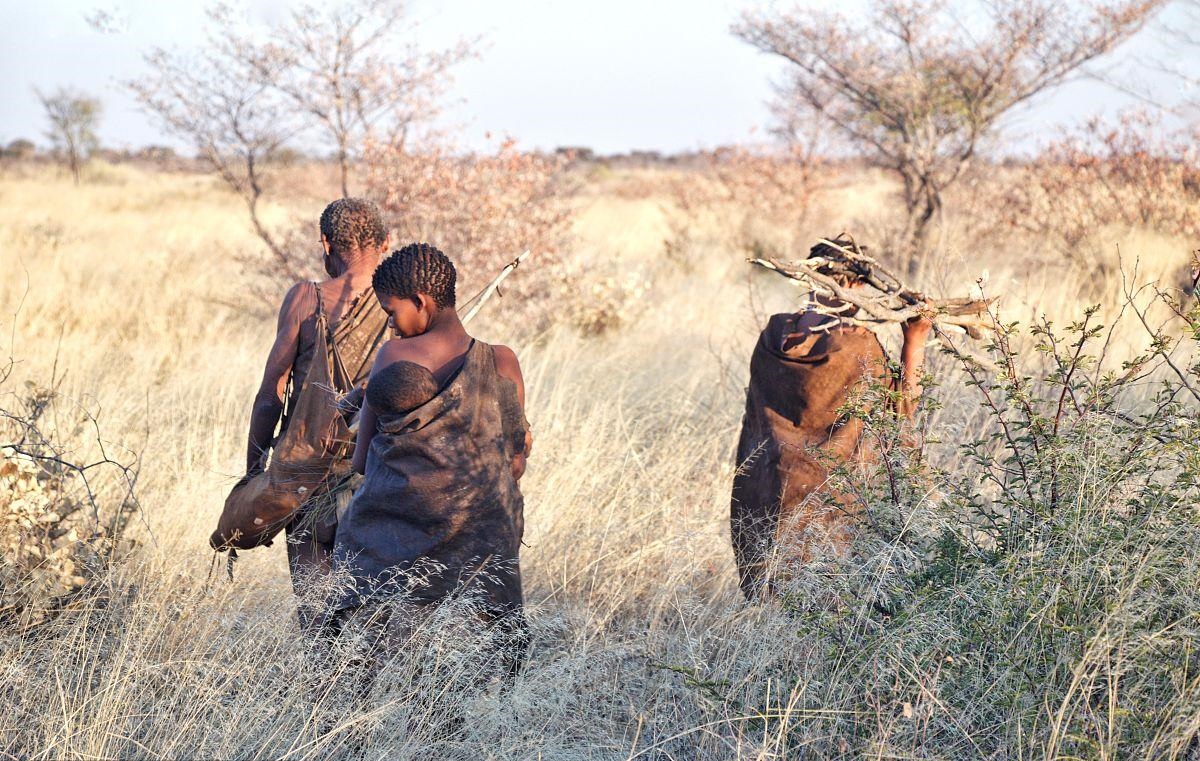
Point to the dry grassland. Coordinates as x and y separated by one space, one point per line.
128 290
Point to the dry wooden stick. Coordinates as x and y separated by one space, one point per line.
478 300
890 302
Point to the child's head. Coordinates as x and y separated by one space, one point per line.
352 229
412 285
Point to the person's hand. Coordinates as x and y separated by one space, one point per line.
255 466
918 328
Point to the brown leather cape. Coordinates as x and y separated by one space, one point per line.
439 511
792 432
309 461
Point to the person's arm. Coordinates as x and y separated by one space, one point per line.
508 367
368 426
912 363
268 402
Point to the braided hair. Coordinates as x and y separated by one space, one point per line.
352 224
417 268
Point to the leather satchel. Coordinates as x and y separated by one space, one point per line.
308 460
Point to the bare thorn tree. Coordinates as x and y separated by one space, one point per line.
218 102
73 119
341 75
920 85
349 71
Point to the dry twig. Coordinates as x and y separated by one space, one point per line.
888 301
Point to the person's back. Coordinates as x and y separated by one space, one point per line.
442 443
804 370
357 325
353 237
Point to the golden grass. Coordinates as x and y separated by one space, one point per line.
128 286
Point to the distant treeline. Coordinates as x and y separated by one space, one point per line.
166 157
22 149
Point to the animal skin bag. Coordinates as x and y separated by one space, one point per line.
308 459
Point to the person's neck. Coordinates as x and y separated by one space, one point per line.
358 270
447 321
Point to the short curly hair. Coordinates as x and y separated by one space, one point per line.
840 274
417 268
352 224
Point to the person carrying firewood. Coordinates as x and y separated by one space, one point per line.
805 368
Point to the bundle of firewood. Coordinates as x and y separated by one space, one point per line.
886 299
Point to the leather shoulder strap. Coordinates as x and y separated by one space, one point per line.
338 375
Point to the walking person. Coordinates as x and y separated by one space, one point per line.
804 369
442 444
353 238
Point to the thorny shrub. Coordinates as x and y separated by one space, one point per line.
763 194
1041 597
600 304
61 522
482 209
1130 174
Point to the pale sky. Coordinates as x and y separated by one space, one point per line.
617 75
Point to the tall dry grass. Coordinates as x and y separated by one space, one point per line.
643 648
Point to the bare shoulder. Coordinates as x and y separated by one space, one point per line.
305 289
399 349
506 361
504 354
298 300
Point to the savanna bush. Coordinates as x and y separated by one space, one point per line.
483 209
1039 597
599 304
763 195
62 518
1132 174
